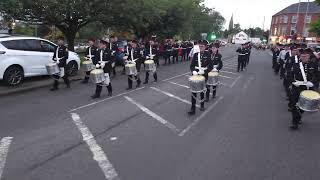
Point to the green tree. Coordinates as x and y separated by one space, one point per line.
69 16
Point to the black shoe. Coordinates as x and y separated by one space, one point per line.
110 94
145 82
129 88
300 122
68 86
294 127
95 96
191 113
138 85
54 89
202 109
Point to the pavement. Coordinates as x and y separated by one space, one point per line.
146 134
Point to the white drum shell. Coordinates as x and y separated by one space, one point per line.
53 69
131 70
213 80
149 66
88 66
197 86
97 76
308 105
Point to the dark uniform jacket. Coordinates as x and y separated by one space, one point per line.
106 57
63 54
242 53
93 50
136 55
205 61
216 59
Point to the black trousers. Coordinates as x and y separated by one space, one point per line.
214 91
167 57
296 111
175 56
87 76
194 101
274 62
65 79
155 76
241 63
282 69
99 89
130 80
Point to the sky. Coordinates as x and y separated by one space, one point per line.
249 13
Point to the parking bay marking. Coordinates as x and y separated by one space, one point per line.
97 102
154 115
172 96
182 133
4 149
98 154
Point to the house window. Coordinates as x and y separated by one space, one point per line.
293 30
276 20
308 19
275 31
285 19
284 30
306 32
294 19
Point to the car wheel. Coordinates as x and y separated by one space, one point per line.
72 68
14 75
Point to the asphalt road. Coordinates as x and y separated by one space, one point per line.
146 134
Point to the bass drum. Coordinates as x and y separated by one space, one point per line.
309 101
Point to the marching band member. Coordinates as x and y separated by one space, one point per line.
282 61
151 53
113 46
90 52
304 75
293 60
275 55
103 60
136 58
168 52
215 64
175 52
60 56
205 57
242 57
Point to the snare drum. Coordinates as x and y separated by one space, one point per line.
87 66
149 65
197 84
97 76
53 69
131 69
213 78
309 101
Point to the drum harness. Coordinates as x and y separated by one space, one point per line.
304 76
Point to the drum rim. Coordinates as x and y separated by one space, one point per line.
308 110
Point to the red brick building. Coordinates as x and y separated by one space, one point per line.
293 23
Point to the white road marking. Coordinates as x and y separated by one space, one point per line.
97 102
154 115
229 68
200 118
235 81
176 76
234 66
98 154
226 77
172 96
113 138
179 84
4 149
229 72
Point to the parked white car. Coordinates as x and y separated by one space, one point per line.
22 57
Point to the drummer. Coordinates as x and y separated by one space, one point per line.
90 52
135 53
304 76
215 64
103 60
205 57
60 56
152 57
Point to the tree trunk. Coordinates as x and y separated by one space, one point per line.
70 35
